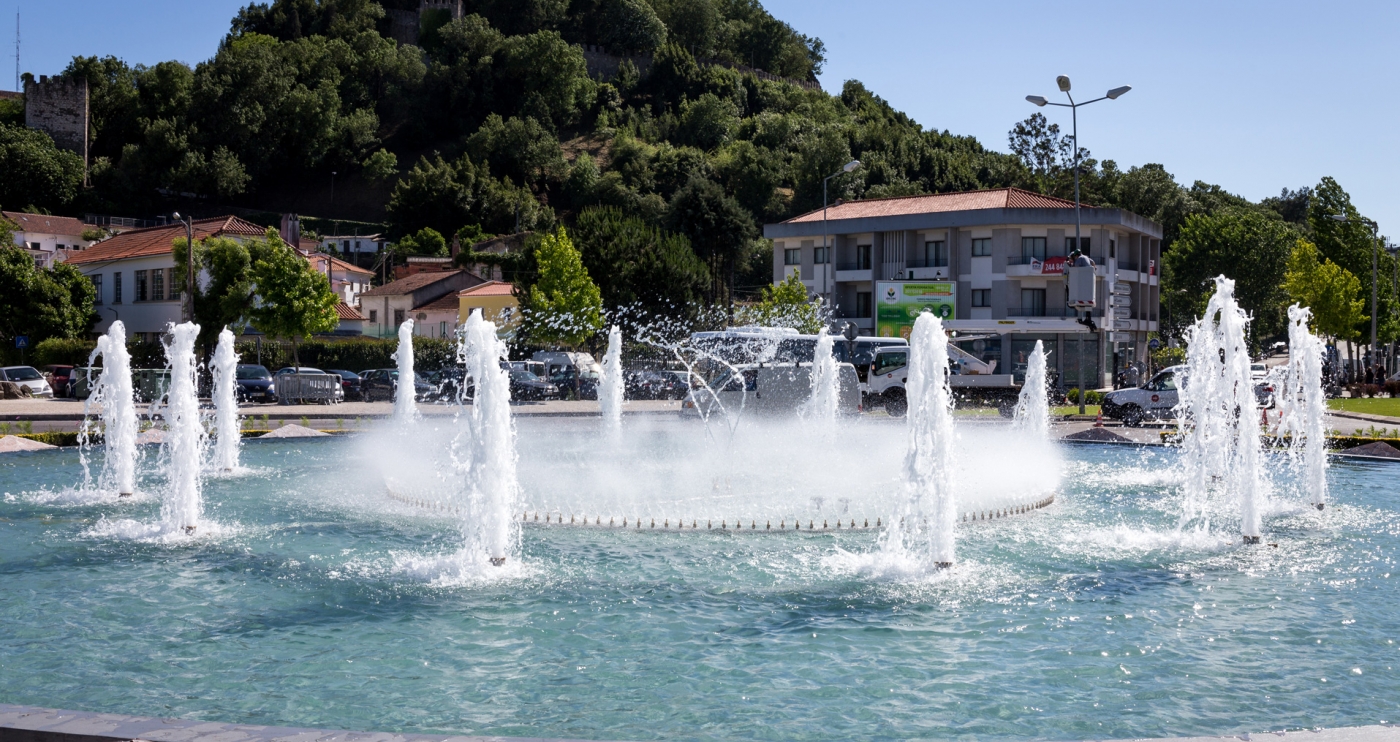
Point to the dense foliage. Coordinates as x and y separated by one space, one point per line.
40 303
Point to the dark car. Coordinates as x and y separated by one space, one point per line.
575 385
60 379
654 384
255 383
383 384
349 382
527 385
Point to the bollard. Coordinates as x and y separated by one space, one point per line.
823 525
867 522
877 522
653 522
666 524
537 516
768 526
610 521
753 524
709 525
724 524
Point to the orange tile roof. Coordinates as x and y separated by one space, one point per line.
490 288
44 223
149 241
446 303
345 311
998 198
318 258
409 284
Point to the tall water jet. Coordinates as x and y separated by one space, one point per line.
924 530
1032 416
227 428
1302 405
184 439
405 408
492 487
1218 417
610 386
822 406
116 396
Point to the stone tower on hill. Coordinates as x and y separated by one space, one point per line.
58 106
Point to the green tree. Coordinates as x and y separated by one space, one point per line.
786 304
630 27
636 265
41 303
564 306
718 227
225 298
427 241
293 300
382 165
1332 292
1243 244
35 172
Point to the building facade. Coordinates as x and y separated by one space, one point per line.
386 307
999 255
47 239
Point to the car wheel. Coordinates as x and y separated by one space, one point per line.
1132 416
896 404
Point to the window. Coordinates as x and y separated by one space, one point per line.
863 303
97 286
158 284
1033 247
117 287
863 261
792 256
141 286
982 247
820 256
174 294
398 317
1033 302
1083 245
442 329
374 316
887 362
981 297
935 254
347 246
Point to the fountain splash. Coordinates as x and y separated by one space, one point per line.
826 383
114 393
227 427
924 530
1217 415
405 408
1032 415
492 488
610 387
184 438
1302 405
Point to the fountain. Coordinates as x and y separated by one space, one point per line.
1302 405
491 486
1032 415
1217 416
184 439
227 428
924 529
114 394
405 407
610 386
826 384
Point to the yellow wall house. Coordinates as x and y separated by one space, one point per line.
495 299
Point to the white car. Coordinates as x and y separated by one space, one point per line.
1257 372
1154 400
29 377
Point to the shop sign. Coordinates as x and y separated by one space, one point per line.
901 302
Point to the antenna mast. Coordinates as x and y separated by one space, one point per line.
17 87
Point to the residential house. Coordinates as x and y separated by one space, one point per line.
416 264
994 260
347 280
134 273
361 250
437 318
351 321
502 245
47 239
495 299
386 307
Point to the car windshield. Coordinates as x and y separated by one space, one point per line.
521 374
22 373
1261 368
348 375
301 370
252 372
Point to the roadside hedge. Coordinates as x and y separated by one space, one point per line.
351 354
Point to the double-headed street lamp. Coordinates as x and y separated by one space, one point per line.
826 272
1375 268
1063 82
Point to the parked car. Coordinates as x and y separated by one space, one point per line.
255 383
1257 372
523 385
383 384
654 384
339 392
349 383
59 379
526 385
29 378
575 382
1157 399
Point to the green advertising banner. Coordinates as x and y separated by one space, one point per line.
899 303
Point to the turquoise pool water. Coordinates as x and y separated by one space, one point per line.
1089 619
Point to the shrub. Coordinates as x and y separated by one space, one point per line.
1392 388
1091 397
62 351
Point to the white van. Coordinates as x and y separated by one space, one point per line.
769 389
1154 400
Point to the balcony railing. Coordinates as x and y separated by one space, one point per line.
852 266
924 263
1034 311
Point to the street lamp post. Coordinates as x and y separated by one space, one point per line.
826 272
189 264
1394 251
1063 82
1375 268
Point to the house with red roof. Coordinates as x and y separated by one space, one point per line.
47 239
134 273
386 307
993 261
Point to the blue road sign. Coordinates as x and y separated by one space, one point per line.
21 341
1154 343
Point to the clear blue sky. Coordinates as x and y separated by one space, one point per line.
1251 96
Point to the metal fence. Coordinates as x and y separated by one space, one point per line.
307 388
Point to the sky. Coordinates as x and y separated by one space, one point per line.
1251 96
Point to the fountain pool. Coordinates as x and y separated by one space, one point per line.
1091 618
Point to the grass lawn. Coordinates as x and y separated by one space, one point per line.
1091 409
1389 407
